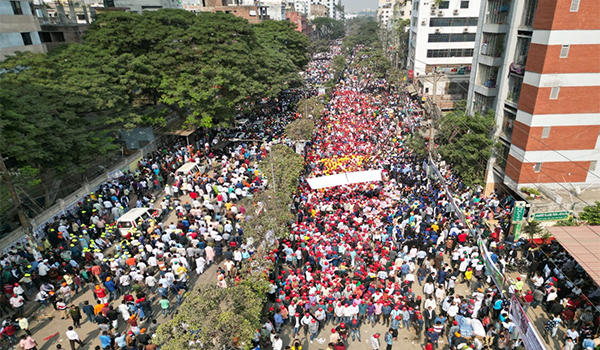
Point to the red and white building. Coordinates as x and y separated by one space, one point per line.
537 66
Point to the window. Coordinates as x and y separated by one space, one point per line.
564 51
444 5
464 4
81 17
26 39
453 22
554 93
574 5
445 38
16 7
537 167
450 53
546 132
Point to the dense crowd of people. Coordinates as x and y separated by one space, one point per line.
391 253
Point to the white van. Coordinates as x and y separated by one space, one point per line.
190 169
132 218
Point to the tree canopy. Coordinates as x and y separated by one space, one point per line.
591 214
466 143
328 28
203 67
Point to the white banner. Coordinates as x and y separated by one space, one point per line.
344 179
364 176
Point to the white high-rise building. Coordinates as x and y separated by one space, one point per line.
331 6
442 36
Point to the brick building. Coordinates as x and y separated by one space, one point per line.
537 66
300 19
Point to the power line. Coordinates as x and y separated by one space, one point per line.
531 136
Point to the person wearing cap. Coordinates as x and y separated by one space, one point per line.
452 331
354 328
120 342
313 329
17 302
432 336
334 337
374 341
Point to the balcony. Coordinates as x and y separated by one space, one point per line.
514 88
482 104
508 124
528 13
496 16
521 51
492 45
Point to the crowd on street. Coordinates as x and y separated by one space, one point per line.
389 253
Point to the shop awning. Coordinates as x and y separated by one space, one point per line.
583 243
411 90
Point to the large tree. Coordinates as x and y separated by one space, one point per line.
281 36
40 119
465 142
328 28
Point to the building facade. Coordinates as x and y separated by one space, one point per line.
19 29
537 66
442 35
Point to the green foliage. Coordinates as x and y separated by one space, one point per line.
361 31
216 317
268 216
466 144
281 36
300 129
377 61
203 66
328 28
418 145
591 214
569 222
320 45
533 228
531 191
40 118
286 165
311 106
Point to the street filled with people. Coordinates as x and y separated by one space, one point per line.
365 265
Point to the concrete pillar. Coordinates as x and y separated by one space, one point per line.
85 13
62 17
72 12
45 13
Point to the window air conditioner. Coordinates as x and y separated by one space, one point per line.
466 30
455 12
423 22
438 30
440 13
433 11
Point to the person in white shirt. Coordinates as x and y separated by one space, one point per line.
73 338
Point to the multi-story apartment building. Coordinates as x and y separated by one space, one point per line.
385 12
19 28
537 66
442 35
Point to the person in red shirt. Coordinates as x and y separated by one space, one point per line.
101 294
9 331
528 298
428 346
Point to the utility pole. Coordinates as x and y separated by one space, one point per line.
433 109
13 195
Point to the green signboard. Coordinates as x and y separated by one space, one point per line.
519 211
552 216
